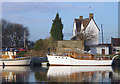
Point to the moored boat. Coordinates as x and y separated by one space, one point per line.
23 61
75 59
9 58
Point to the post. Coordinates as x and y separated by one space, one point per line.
102 34
48 51
24 38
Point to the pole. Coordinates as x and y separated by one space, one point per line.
24 38
102 33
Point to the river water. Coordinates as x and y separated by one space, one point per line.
59 74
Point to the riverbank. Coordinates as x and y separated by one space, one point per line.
33 53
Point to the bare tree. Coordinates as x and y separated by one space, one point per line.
88 36
85 35
13 34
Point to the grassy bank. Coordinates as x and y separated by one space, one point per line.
33 53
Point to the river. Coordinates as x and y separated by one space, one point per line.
59 74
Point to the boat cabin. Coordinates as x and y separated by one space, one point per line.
9 53
76 55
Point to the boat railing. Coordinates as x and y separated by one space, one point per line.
58 54
75 55
90 57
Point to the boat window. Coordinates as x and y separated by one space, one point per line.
55 57
87 56
66 57
82 56
62 57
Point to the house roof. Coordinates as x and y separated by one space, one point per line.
107 45
115 41
104 44
85 23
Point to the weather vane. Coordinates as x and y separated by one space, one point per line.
89 8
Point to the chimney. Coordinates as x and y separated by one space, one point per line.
81 17
91 15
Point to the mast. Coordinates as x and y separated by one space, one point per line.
102 33
24 38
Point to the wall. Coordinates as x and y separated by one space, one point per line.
93 50
74 29
116 47
99 50
92 27
69 45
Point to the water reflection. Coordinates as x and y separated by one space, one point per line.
79 74
60 74
14 73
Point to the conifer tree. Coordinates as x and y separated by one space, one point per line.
56 29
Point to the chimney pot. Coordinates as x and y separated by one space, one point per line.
81 17
91 15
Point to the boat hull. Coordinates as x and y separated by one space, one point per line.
68 61
24 62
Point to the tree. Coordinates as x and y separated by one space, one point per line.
13 34
56 29
40 45
87 37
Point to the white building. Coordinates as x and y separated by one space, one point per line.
101 49
86 25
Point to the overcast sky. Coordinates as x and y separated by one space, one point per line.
38 16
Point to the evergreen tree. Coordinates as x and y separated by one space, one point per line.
56 29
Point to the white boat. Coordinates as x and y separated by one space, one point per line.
13 60
75 59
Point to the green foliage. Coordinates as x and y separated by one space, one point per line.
40 45
21 53
43 45
56 29
52 44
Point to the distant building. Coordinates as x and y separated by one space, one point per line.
101 49
86 25
115 44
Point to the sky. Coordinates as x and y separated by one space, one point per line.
38 16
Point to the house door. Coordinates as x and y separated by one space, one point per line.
103 51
